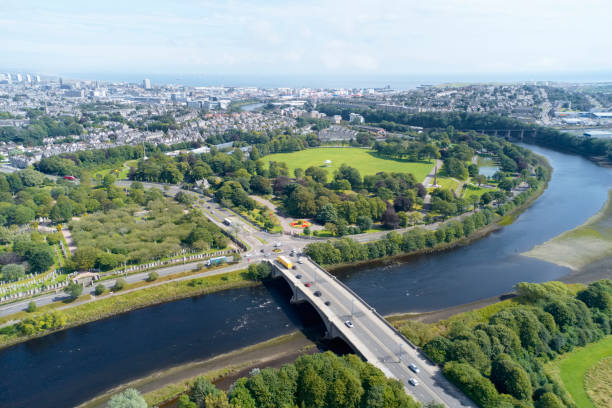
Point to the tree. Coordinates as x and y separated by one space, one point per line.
31 307
100 289
119 284
598 295
510 378
12 272
549 400
473 170
129 398
62 210
201 389
318 174
364 222
73 290
327 214
470 381
40 257
390 219
153 276
85 257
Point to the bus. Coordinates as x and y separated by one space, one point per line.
285 262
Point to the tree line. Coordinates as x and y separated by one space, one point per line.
314 381
499 363
539 135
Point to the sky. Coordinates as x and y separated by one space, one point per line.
335 37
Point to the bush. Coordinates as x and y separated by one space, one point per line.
119 284
31 307
153 276
74 290
129 398
100 289
36 324
472 383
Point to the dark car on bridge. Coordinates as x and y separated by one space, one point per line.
298 276
317 293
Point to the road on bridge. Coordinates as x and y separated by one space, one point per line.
372 336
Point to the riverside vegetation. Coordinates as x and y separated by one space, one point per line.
314 381
496 355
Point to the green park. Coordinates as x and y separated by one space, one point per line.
365 160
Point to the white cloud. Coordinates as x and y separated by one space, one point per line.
401 37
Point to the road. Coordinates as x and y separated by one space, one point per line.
372 337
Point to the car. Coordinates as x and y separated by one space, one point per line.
208 207
413 381
414 368
300 261
308 284
298 276
262 250
327 303
294 267
292 254
349 324
317 293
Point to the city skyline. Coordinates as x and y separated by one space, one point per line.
442 38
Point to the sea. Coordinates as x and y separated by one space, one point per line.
335 81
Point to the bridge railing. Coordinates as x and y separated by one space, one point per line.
360 299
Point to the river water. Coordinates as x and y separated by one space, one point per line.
69 367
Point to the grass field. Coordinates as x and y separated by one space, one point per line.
366 161
573 367
577 248
472 190
121 172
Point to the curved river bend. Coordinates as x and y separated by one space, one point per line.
69 367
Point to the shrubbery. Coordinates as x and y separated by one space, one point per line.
499 363
39 323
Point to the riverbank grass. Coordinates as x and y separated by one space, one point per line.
586 244
366 161
580 374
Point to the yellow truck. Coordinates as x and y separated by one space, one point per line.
286 262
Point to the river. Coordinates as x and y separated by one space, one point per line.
69 367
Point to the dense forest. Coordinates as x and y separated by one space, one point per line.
499 363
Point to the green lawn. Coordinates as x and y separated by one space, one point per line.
473 190
366 161
447 183
573 366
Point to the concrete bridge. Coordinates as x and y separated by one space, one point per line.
370 335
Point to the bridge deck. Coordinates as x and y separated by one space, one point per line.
371 335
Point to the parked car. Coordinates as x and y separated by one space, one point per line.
349 324
414 381
317 293
414 368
